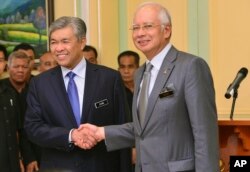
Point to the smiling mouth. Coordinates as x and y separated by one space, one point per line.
61 56
142 42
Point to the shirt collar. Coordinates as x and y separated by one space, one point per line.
158 59
79 70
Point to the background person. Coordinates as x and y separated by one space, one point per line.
128 62
90 54
30 52
47 61
10 128
19 72
3 60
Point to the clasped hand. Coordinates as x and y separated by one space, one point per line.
87 136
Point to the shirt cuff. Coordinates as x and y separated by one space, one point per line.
70 138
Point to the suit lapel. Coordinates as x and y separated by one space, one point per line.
58 86
89 90
138 78
162 77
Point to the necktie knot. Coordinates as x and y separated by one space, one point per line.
71 75
149 67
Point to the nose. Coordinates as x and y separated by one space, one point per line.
21 68
126 70
140 32
57 47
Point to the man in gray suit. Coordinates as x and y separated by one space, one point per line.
178 131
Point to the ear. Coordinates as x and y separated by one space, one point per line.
83 42
167 31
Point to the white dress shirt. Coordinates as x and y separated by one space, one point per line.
156 62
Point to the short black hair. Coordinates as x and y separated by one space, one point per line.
4 50
129 53
24 46
88 48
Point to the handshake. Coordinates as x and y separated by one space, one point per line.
87 136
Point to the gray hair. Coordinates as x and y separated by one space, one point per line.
77 24
17 55
164 15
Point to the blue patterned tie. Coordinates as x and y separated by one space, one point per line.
73 96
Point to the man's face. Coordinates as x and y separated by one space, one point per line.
19 70
90 56
151 36
127 68
2 62
31 55
65 47
47 61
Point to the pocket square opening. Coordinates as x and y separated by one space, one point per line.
166 93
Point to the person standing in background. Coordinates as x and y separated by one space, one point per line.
174 112
78 92
10 128
128 62
19 72
47 61
90 54
3 60
30 52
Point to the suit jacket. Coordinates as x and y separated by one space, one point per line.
180 131
49 119
9 127
129 96
30 151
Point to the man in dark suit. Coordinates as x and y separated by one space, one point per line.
51 117
20 66
174 123
128 62
19 72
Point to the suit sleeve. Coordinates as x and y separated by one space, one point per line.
27 149
37 130
200 100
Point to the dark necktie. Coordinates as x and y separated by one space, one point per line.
143 99
73 96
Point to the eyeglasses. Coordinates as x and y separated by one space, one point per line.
145 27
